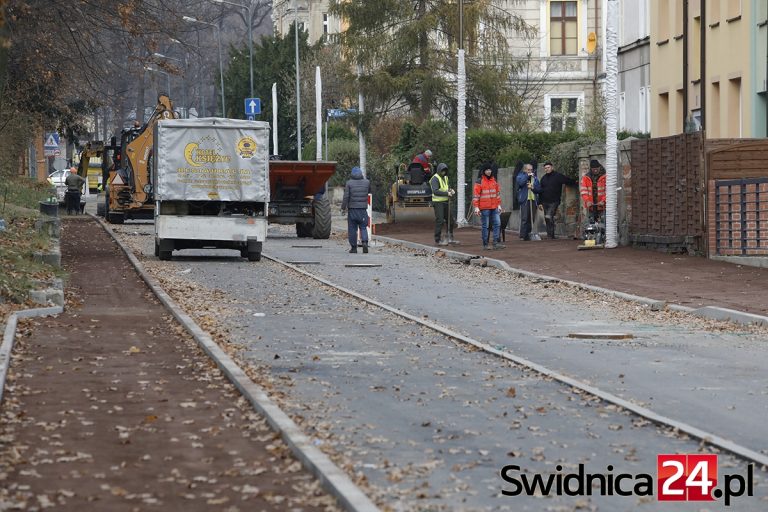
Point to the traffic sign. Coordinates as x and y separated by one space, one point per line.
51 140
252 106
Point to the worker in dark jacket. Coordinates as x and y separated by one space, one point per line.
441 194
527 192
355 201
74 183
551 193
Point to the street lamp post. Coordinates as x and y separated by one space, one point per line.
183 82
190 19
248 8
167 77
186 66
298 90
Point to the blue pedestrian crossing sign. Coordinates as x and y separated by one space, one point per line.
252 107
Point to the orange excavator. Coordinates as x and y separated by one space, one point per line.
129 186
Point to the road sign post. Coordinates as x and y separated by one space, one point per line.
252 108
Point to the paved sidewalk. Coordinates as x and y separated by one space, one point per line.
689 281
111 406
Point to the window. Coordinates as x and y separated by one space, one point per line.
713 11
663 115
734 8
734 107
325 23
563 28
663 19
563 115
713 114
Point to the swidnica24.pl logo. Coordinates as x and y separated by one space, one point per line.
679 477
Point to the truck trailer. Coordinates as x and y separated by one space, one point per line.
211 184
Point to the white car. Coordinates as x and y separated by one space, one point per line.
57 178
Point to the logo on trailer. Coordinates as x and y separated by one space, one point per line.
246 147
205 151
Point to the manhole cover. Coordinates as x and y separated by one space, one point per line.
601 335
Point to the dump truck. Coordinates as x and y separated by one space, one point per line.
129 191
211 185
298 196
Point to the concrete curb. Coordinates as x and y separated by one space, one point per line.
9 337
333 479
712 312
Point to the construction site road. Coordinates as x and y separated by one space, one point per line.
426 423
675 278
111 406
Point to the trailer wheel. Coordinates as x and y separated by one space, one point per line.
164 255
115 217
304 229
101 208
254 256
322 226
157 248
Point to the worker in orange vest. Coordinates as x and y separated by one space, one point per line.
486 199
592 189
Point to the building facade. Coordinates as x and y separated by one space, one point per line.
635 66
708 67
312 15
565 72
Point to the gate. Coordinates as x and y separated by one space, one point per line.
741 217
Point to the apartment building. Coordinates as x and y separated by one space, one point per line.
708 67
566 74
635 66
312 15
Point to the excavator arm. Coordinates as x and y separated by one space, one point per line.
138 152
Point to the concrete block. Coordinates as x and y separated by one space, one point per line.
52 257
50 226
47 296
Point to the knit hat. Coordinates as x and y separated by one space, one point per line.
428 153
594 164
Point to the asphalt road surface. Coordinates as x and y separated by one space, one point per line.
428 423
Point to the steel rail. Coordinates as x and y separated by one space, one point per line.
706 437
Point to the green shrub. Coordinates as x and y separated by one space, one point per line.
510 155
564 156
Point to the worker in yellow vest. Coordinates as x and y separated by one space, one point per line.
441 195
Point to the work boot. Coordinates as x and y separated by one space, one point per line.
442 242
486 247
452 240
365 247
497 245
353 250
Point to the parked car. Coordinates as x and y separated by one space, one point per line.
57 178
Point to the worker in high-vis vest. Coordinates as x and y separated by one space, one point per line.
441 195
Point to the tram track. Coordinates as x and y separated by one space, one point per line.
682 427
